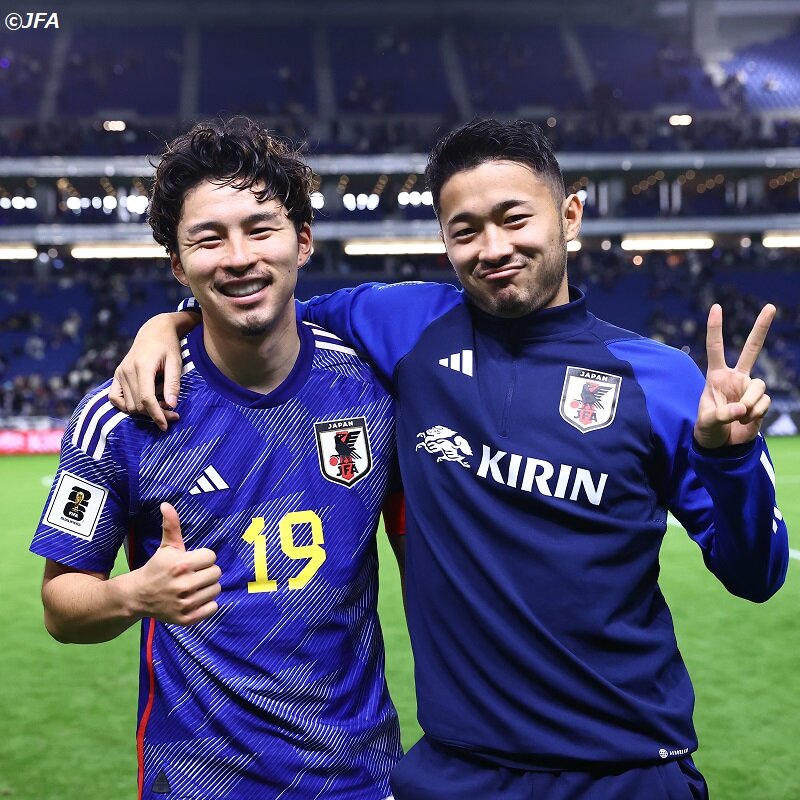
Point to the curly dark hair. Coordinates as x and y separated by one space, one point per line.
485 140
233 152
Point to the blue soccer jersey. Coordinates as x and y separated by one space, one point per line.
281 693
540 457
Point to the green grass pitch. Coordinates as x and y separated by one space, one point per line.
68 712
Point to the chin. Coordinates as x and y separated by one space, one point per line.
253 329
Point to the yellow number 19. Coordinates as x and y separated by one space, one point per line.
314 552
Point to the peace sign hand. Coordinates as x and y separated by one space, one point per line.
733 405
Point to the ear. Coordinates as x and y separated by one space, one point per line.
305 245
177 269
572 214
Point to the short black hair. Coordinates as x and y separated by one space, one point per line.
236 152
485 140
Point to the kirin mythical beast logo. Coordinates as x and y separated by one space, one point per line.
445 442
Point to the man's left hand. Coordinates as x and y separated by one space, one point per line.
733 405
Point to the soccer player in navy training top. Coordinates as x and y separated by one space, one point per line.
541 450
250 525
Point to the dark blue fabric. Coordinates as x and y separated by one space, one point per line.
540 457
432 772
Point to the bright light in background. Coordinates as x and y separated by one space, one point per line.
776 239
349 201
679 242
118 251
573 246
317 200
136 203
114 125
605 244
679 120
15 251
745 241
403 199
582 195
393 247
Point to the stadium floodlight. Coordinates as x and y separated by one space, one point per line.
573 246
678 241
118 250
393 247
14 252
775 239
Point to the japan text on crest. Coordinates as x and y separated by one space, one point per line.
589 398
343 447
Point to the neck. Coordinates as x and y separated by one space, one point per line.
258 363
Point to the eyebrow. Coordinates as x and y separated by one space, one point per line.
497 208
261 216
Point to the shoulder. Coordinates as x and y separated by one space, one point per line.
376 307
96 421
332 354
644 354
338 365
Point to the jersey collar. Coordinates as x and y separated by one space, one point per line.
224 386
547 323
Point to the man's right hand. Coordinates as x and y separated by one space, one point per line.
176 585
155 351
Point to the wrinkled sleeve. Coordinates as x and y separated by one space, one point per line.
724 498
383 321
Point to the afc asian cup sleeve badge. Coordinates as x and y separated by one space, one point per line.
344 451
589 398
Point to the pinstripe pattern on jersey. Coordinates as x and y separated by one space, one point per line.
98 418
281 693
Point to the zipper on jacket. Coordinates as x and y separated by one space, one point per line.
512 385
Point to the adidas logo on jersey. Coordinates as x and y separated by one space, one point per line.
209 481
460 362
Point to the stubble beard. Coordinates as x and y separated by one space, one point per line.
542 284
253 330
253 326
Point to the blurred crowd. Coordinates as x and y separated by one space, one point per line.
666 297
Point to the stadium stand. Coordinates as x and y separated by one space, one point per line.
65 330
369 82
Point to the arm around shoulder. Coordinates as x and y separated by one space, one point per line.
155 350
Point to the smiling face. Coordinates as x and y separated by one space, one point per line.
240 258
506 236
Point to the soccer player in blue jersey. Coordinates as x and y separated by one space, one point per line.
250 525
541 450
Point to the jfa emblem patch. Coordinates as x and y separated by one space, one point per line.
75 506
589 398
344 452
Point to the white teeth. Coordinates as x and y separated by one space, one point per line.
243 289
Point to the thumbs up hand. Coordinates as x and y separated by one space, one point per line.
177 585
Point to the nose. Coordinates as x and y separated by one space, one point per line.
238 255
496 245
